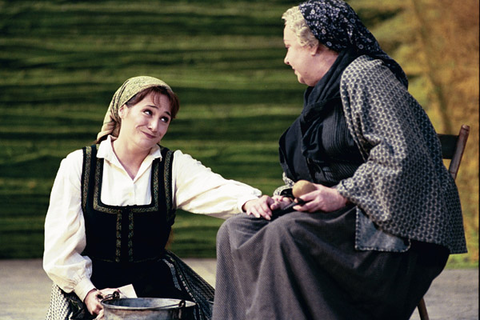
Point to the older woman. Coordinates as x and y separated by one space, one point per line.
384 213
113 204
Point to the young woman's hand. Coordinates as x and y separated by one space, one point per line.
263 207
93 301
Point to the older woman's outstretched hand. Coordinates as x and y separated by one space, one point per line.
321 199
264 206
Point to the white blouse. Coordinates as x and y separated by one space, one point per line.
195 188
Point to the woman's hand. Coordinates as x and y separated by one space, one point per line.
264 206
322 199
93 299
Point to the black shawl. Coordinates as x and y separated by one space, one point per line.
317 146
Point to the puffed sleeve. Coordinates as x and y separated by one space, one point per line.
199 190
65 231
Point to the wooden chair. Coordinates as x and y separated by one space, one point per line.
453 147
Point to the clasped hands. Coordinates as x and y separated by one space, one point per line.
322 199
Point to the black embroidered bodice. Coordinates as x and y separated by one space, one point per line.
126 234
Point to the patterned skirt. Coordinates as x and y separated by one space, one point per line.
67 306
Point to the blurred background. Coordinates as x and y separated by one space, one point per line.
61 62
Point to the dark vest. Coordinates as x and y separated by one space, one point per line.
122 237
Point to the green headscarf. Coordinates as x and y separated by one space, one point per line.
111 123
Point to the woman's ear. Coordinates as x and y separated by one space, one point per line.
122 111
314 50
319 49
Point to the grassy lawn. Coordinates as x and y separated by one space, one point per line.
61 62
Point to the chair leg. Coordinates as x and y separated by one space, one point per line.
422 310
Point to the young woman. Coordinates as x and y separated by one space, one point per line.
113 204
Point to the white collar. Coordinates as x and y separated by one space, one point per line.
105 151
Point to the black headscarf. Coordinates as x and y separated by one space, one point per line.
336 25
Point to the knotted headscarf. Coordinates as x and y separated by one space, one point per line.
336 25
111 122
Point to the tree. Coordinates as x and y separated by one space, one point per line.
447 44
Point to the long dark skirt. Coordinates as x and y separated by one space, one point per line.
305 266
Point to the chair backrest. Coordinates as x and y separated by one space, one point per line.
453 147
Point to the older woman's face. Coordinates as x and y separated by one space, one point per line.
298 57
145 124
309 63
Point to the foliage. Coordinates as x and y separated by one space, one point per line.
448 40
61 61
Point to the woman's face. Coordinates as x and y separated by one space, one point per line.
309 63
144 124
298 57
